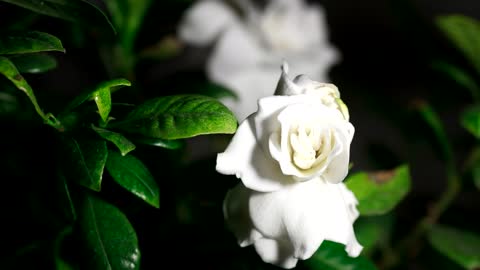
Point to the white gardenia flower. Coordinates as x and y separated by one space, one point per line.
293 137
291 223
248 48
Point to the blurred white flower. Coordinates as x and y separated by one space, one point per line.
291 223
291 138
249 47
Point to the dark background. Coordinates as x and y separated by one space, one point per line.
387 49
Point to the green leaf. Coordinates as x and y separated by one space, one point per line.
332 256
168 144
8 69
373 231
86 162
464 32
131 174
34 63
104 102
81 11
470 120
29 42
110 239
178 117
101 94
123 144
60 263
460 76
460 246
379 192
128 16
217 91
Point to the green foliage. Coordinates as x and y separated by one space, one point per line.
82 11
128 16
109 238
464 33
178 117
34 63
101 94
470 120
29 42
131 174
373 231
332 256
123 144
168 144
86 161
460 76
379 192
460 246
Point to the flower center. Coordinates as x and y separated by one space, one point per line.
310 146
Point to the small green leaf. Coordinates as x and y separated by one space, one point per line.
178 117
101 95
460 76
460 246
464 32
81 11
104 102
169 144
86 162
470 120
8 69
379 192
332 256
34 63
131 174
110 240
123 144
29 42
60 263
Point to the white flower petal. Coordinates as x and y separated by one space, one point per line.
235 51
276 252
204 21
337 170
246 159
297 218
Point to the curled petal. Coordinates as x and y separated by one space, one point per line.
204 21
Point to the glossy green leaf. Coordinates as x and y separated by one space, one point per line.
81 11
460 76
464 32
332 256
104 102
470 120
101 94
373 231
128 16
123 144
168 144
178 117
86 162
460 246
29 42
110 240
131 174
34 63
379 192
